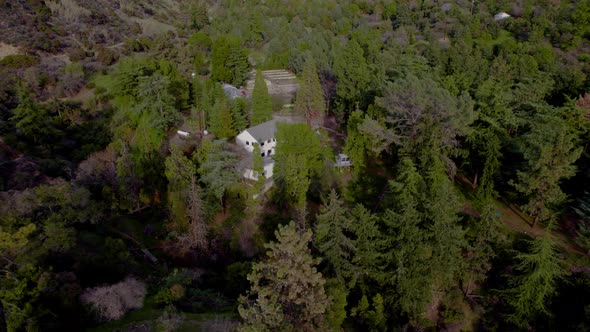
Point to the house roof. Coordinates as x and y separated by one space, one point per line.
263 131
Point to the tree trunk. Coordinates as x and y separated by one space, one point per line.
3 327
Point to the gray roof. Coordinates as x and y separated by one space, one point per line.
264 131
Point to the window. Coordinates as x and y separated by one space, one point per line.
262 144
262 154
269 151
268 141
247 143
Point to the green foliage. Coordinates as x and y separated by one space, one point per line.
19 61
287 293
336 312
261 103
373 317
229 62
352 72
310 101
218 169
357 145
540 269
550 151
297 159
331 237
426 117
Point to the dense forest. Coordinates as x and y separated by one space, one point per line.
431 172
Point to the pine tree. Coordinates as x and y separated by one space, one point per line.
532 290
287 292
261 103
221 122
239 115
352 71
332 240
218 169
403 247
310 101
448 240
551 151
297 159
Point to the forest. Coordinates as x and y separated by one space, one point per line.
294 165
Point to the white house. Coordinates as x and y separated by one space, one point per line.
262 135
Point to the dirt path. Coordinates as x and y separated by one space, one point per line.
516 222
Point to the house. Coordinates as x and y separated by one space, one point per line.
262 135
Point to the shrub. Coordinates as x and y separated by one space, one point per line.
19 61
112 302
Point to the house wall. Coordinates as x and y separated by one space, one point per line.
268 172
244 137
268 146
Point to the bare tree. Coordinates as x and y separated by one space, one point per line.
112 302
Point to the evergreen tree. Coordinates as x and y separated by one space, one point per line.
532 290
261 103
297 159
287 292
310 101
218 168
357 145
221 122
403 247
239 114
550 150
229 62
448 240
352 72
332 240
484 238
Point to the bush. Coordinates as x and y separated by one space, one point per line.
112 302
19 61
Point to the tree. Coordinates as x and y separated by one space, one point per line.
403 247
352 71
448 240
357 145
484 238
287 292
218 169
427 118
229 62
221 122
261 103
310 101
550 150
112 302
184 197
332 240
540 269
297 159
199 15
32 120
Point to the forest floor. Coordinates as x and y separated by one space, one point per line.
516 221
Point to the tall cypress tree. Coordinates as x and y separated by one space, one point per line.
261 103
